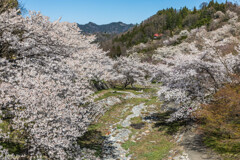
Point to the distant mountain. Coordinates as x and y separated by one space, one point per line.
112 28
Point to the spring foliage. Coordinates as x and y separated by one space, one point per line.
46 70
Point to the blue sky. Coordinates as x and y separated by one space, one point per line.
105 11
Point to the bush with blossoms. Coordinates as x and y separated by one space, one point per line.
46 70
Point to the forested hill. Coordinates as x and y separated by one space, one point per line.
167 22
112 28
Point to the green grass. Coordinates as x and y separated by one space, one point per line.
150 90
5 127
92 139
16 143
137 101
153 101
154 146
145 149
128 144
117 91
136 120
109 94
137 90
119 126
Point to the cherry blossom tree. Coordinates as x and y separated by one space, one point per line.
190 75
46 69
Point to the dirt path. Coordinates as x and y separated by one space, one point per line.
194 147
190 144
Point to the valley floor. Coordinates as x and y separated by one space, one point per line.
134 127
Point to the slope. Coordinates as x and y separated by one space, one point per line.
167 22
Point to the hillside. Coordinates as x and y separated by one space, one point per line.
111 28
167 22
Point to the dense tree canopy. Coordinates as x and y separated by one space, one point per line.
46 74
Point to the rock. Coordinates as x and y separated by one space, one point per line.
136 113
184 33
147 131
112 101
153 142
144 134
122 136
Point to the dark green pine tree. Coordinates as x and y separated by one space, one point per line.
194 10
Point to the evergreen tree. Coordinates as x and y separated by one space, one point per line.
194 10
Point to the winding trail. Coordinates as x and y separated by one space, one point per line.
188 143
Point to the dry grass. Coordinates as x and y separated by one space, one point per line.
221 121
228 49
154 146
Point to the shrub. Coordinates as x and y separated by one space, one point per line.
222 116
221 120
